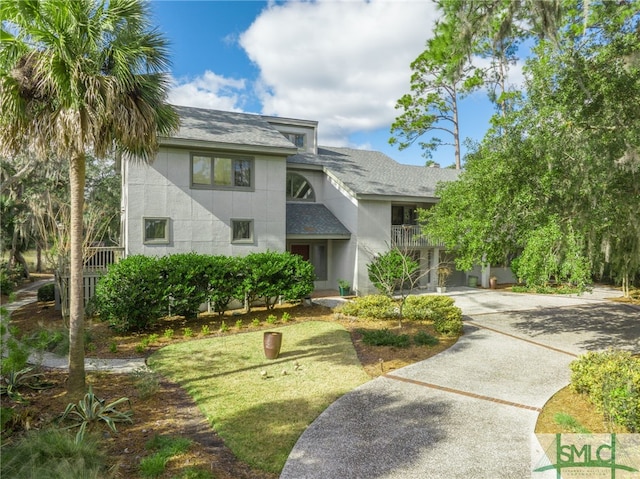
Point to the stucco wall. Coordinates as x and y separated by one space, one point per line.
200 219
343 252
374 235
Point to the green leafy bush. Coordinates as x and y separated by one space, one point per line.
301 277
10 278
186 282
47 292
423 307
611 380
131 295
424 339
448 321
138 290
53 454
375 306
225 281
269 275
384 337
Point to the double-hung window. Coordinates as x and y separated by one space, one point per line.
221 171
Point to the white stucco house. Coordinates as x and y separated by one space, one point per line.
234 183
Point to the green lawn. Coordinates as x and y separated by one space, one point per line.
258 406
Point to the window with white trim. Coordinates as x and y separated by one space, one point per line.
156 231
242 231
218 171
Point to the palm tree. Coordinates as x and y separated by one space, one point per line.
75 77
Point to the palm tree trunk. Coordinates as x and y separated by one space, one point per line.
76 383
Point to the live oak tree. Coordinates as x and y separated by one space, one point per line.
78 77
569 151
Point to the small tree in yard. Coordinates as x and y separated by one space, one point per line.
395 270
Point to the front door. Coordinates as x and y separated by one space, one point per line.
301 250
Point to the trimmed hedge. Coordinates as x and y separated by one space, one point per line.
139 290
611 380
423 307
374 306
447 318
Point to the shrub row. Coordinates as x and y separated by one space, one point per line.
384 337
611 380
446 317
139 290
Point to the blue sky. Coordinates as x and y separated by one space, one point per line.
342 63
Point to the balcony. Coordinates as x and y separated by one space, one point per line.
411 236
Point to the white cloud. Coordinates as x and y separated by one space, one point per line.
209 91
343 63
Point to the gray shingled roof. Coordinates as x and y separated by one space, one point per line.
314 219
228 127
363 172
374 173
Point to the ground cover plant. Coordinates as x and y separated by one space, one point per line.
54 454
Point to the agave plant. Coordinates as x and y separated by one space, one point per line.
11 381
91 410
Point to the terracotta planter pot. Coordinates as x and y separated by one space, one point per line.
493 283
272 342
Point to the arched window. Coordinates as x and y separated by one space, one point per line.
298 188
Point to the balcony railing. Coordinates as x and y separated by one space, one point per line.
411 236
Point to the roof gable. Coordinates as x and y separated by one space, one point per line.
366 172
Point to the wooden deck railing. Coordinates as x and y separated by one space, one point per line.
96 261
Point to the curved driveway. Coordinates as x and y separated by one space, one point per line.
470 411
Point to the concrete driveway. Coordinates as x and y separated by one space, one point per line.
470 411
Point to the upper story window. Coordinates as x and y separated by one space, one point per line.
298 188
217 171
404 215
297 139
